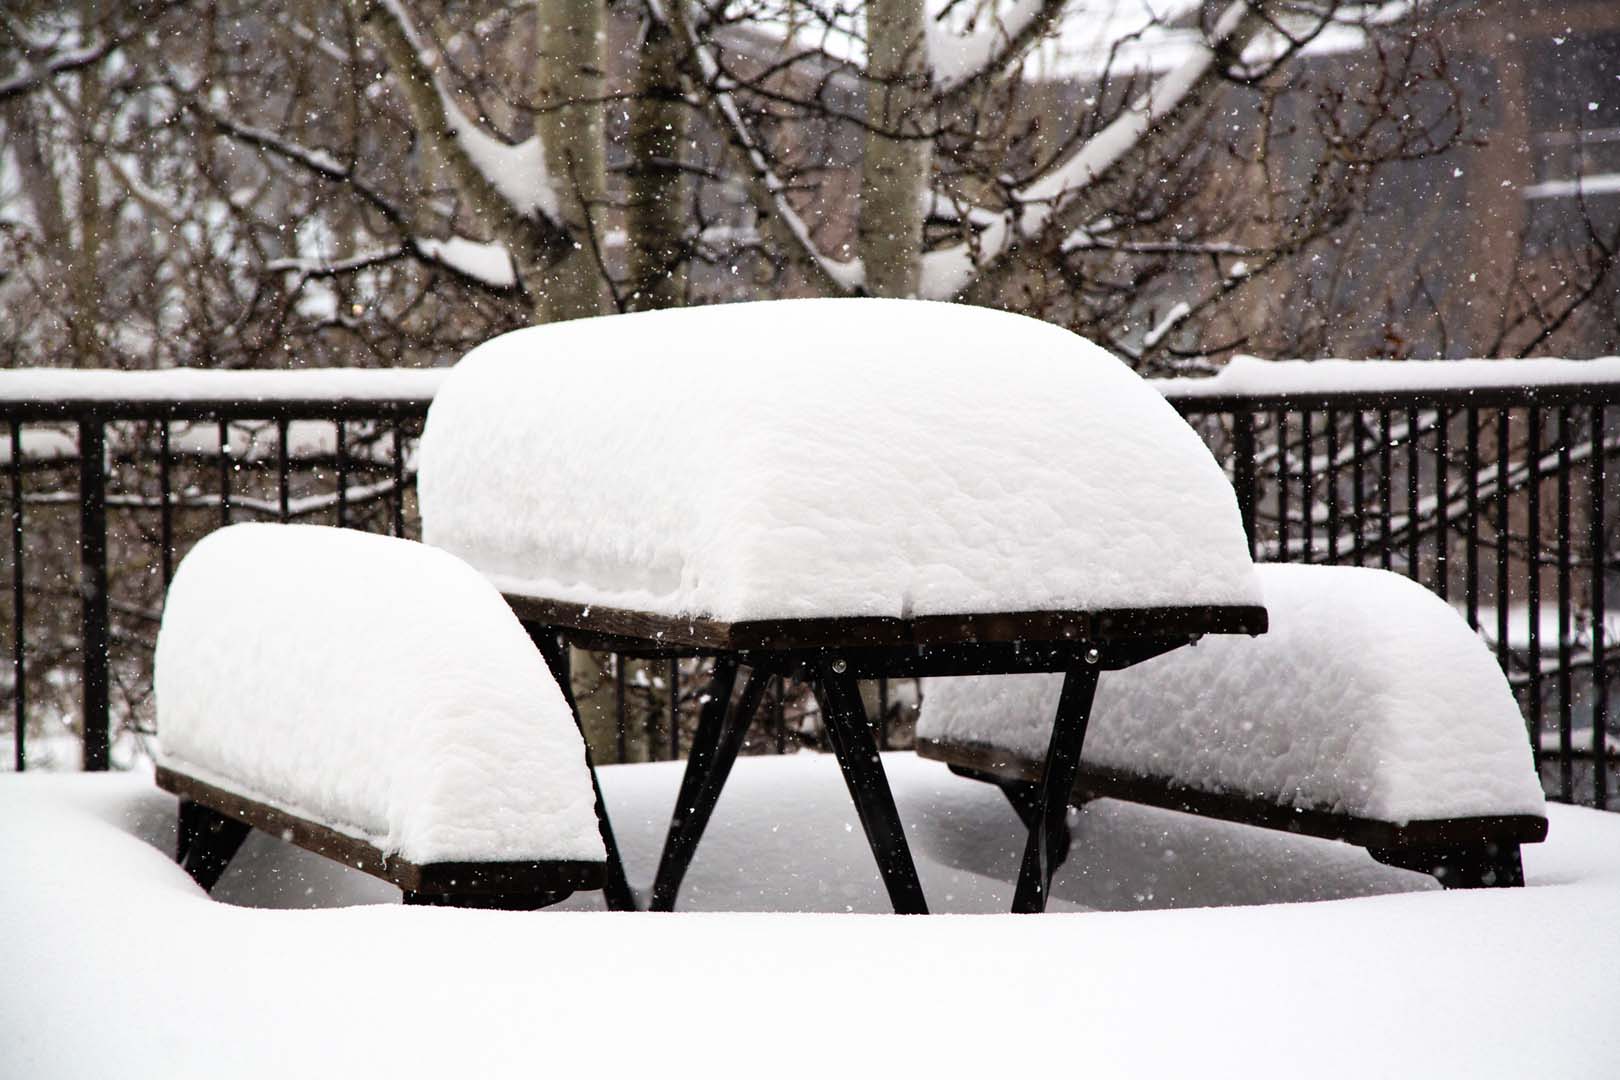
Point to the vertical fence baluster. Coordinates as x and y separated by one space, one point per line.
1504 590
1600 680
1358 498
1414 495
1442 494
1332 490
398 464
620 733
1280 426
341 455
166 517
1243 482
93 591
649 717
19 701
1307 502
779 714
674 708
1566 700
883 713
1471 463
283 469
1532 584
1385 527
224 473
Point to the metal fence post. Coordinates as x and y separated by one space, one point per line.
93 589
1243 479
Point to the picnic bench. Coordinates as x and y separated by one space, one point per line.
829 491
372 700
1369 713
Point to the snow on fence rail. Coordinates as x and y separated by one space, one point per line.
1485 480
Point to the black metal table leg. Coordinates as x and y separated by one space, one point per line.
851 736
700 787
616 889
1057 782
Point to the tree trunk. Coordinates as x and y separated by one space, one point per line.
84 272
895 168
656 199
569 88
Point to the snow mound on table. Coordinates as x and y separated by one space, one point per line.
375 685
1368 696
817 458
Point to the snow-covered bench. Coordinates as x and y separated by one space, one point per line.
374 700
1368 713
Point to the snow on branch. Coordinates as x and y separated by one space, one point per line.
516 170
1056 195
57 65
316 161
770 190
61 63
959 59
317 268
489 264
1172 319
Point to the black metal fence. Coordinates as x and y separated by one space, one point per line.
1495 498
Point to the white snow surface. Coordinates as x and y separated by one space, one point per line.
1368 696
374 685
815 458
1197 964
198 384
1253 375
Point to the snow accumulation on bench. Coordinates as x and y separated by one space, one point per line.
1281 378
820 458
197 384
1368 696
373 685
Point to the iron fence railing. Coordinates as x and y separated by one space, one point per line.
1496 496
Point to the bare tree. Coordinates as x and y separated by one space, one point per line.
240 184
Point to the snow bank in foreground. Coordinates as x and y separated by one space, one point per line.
824 458
117 966
1368 696
375 685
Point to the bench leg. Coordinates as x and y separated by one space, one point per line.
850 733
207 843
1057 782
1025 798
616 890
720 734
1491 866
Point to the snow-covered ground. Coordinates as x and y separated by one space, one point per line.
1199 958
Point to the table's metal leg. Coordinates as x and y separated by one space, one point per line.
851 736
1057 782
708 763
616 888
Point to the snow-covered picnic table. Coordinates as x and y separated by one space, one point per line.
832 490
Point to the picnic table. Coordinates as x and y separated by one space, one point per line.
831 491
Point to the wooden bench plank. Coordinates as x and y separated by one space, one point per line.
996 765
431 882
